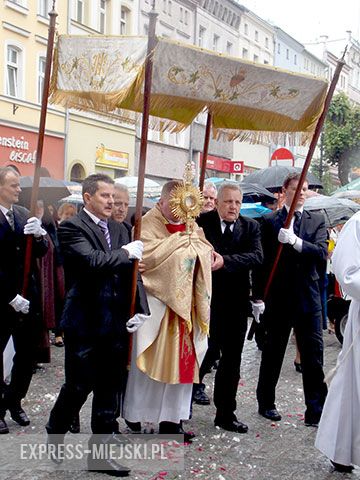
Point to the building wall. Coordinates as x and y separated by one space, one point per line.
25 29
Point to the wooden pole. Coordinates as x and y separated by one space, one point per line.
40 143
205 151
305 169
143 144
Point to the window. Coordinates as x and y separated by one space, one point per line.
246 29
229 47
164 5
181 15
266 62
201 41
279 49
102 16
169 8
295 59
44 8
13 67
124 21
266 42
256 58
41 77
245 53
256 36
186 18
216 42
287 54
79 11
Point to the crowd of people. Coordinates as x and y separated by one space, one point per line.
183 323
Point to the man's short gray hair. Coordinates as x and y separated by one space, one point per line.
4 171
168 187
210 185
121 188
230 186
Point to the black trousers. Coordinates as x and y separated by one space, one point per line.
227 331
90 367
24 333
308 331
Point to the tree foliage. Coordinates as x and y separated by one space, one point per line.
341 136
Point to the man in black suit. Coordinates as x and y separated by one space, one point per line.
293 301
19 315
98 261
237 249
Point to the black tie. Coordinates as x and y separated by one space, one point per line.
227 235
10 216
297 222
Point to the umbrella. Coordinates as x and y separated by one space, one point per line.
351 194
273 177
354 185
253 210
151 188
51 190
254 192
335 210
75 198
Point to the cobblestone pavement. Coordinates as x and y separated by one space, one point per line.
282 450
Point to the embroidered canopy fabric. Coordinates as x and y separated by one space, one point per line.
105 73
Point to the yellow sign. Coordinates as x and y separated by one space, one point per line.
111 158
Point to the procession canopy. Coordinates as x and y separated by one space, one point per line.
247 100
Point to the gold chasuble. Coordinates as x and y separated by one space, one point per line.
172 343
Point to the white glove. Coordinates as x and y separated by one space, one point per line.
33 227
287 235
20 304
258 308
136 321
135 249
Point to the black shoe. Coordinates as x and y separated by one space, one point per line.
3 427
188 436
75 424
19 416
298 367
311 422
342 468
108 466
270 414
199 395
232 426
134 426
54 444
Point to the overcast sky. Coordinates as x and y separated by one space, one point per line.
306 20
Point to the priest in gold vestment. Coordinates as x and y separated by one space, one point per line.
169 347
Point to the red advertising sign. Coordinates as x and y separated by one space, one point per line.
18 148
222 164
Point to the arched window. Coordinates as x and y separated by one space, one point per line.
77 173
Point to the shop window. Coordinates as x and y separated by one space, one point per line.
77 173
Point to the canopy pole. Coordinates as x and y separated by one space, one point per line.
143 145
305 169
205 151
40 143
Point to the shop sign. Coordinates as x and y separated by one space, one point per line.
111 158
223 165
18 149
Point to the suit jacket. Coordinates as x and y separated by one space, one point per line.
12 258
232 282
98 280
296 280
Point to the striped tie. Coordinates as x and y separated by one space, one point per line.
105 229
11 220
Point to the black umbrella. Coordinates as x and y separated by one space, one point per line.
335 210
254 192
273 178
50 190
